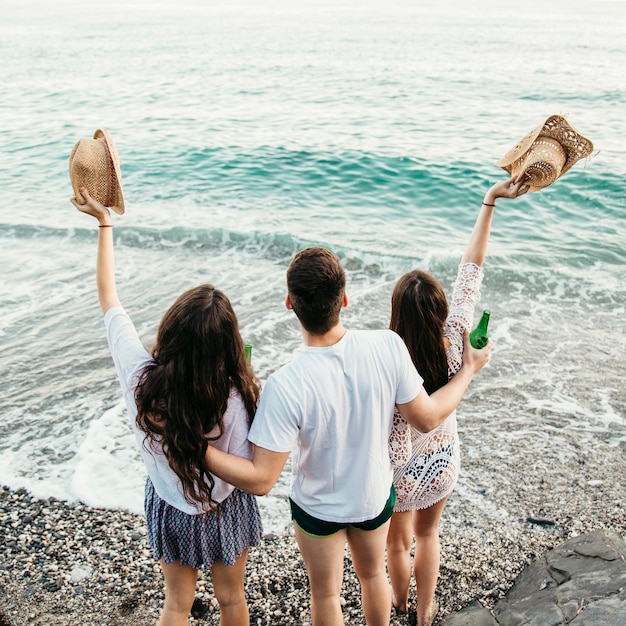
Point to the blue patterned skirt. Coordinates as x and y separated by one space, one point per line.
205 538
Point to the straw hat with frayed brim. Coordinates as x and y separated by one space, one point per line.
94 164
546 153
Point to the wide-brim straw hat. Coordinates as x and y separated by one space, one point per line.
94 164
546 153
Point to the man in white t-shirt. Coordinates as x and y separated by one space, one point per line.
332 406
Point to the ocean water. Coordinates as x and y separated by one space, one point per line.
247 131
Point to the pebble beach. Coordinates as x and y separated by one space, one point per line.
66 563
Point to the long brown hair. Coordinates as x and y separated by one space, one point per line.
198 356
419 309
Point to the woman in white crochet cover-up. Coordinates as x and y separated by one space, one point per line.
427 464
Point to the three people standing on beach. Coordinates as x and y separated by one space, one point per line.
194 397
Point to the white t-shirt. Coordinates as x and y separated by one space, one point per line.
130 357
332 407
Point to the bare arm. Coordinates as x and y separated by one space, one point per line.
477 245
256 476
105 265
426 412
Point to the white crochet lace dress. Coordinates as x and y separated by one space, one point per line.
426 465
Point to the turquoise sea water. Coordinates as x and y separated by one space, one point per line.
248 131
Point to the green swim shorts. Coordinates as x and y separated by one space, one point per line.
315 527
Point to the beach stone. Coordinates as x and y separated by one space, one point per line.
581 582
80 572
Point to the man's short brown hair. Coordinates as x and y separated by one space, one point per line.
316 285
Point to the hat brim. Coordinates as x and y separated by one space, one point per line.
119 206
557 127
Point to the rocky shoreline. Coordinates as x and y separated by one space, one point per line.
69 564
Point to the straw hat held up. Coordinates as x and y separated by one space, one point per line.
546 153
94 164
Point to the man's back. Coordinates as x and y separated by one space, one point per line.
333 407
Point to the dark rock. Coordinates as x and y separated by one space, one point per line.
200 609
540 521
472 615
582 582
609 611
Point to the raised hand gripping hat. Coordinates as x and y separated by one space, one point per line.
546 153
94 164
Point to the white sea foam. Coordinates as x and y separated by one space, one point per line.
109 471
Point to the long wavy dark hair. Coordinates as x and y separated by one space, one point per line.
198 357
419 309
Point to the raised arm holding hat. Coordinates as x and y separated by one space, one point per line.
177 410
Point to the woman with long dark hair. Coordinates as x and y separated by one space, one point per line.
194 390
427 464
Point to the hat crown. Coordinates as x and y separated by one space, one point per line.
544 161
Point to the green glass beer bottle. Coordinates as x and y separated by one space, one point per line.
479 337
248 349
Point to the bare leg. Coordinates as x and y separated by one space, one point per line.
180 591
426 561
323 558
368 555
228 582
399 542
